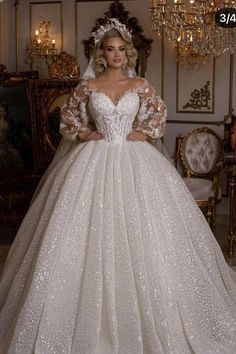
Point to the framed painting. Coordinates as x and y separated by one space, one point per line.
18 175
29 137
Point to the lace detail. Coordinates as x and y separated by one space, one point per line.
114 121
151 118
138 108
74 114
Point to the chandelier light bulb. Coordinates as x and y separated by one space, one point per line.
41 48
192 24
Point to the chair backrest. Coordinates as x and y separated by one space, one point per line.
200 151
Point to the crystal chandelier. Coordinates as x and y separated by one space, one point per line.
191 26
41 47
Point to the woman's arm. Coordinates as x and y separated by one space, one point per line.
151 117
75 116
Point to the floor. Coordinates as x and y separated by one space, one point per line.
220 232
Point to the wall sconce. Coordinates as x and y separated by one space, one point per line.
41 47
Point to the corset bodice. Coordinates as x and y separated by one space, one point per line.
114 120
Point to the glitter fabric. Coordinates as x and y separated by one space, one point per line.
114 256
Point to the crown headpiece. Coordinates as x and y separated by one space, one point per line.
112 23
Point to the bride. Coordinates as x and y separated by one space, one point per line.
114 256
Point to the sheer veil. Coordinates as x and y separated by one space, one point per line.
90 72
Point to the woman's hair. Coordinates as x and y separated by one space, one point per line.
131 52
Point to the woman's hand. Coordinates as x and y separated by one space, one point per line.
93 135
136 135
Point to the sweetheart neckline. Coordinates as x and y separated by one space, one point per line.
116 103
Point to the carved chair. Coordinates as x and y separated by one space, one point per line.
201 153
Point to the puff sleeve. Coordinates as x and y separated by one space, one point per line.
151 117
74 113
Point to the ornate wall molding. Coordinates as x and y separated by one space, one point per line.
49 11
199 98
205 104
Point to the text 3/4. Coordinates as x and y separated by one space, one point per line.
226 17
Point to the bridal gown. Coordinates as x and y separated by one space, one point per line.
114 256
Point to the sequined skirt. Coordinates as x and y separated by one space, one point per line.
115 257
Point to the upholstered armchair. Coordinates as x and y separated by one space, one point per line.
201 156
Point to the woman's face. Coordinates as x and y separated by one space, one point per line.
114 51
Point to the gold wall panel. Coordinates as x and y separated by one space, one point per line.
195 81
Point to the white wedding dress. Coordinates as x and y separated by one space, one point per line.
114 256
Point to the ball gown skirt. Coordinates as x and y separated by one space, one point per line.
127 263
115 257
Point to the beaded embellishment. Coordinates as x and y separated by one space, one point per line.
110 24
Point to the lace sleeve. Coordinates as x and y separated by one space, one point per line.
151 117
74 113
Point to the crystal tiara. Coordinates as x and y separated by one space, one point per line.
112 23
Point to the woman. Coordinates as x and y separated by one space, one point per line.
113 255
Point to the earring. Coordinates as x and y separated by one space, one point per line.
103 62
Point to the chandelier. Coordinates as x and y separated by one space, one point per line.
192 27
41 47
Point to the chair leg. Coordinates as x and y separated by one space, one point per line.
211 212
